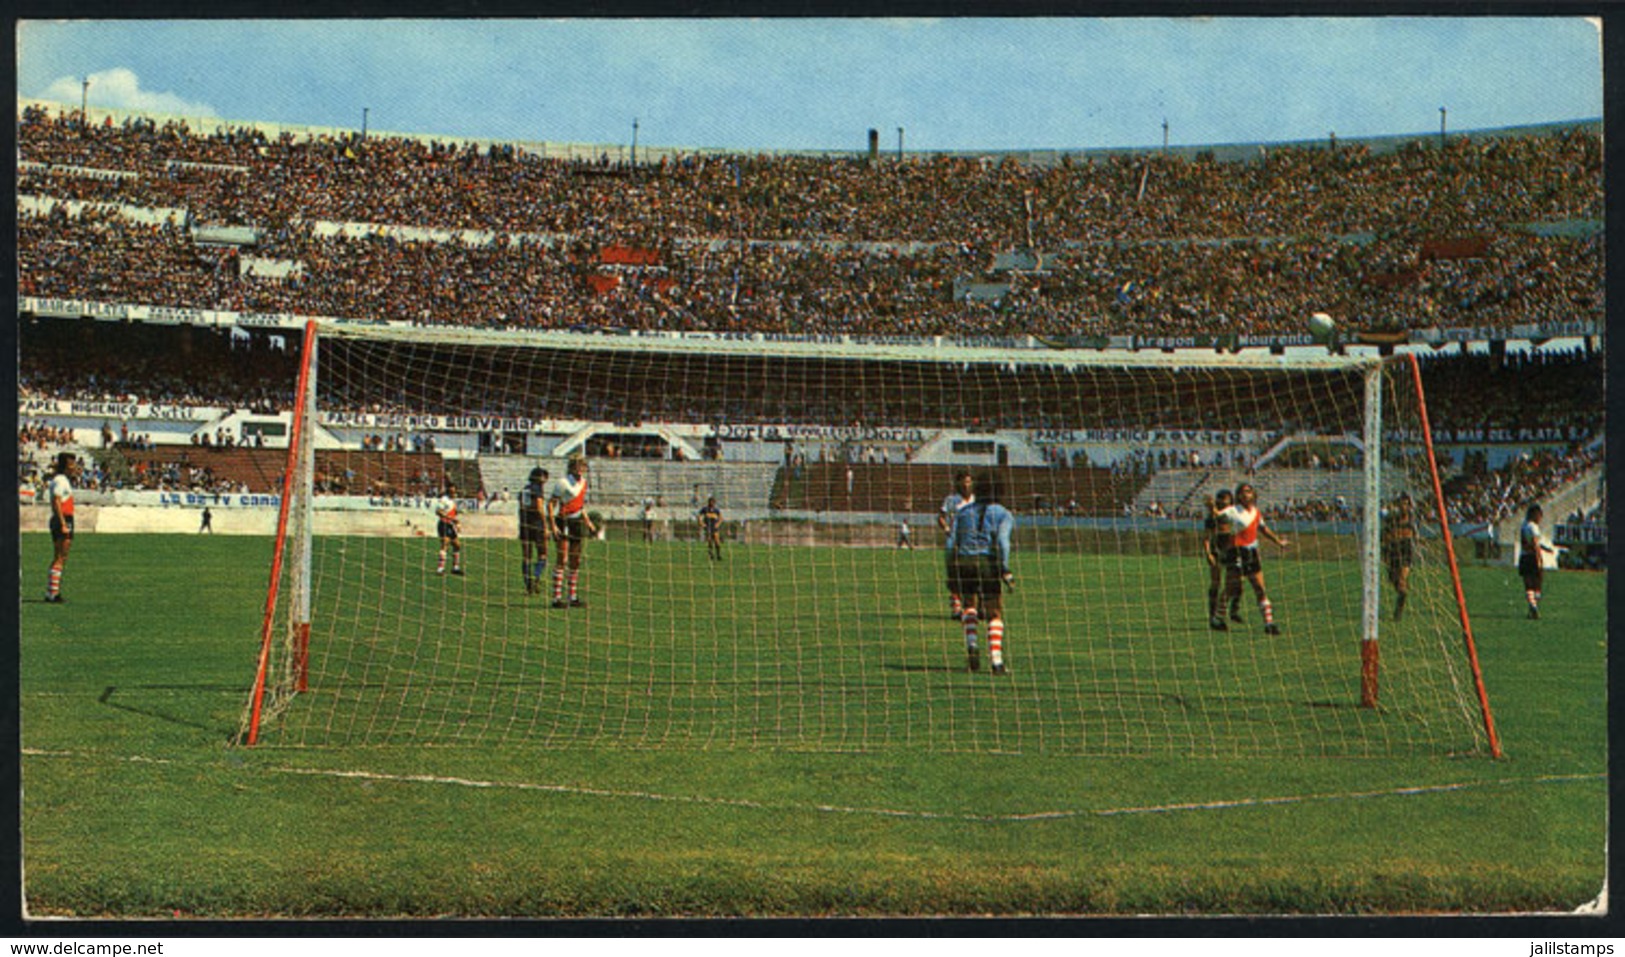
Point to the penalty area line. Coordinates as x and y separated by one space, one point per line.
1028 817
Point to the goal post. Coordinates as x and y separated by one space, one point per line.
818 616
1413 369
291 552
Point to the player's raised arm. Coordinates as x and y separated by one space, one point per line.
1269 533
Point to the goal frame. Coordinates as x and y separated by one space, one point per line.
295 506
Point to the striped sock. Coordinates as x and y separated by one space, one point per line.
1268 610
995 641
54 587
574 574
970 627
955 605
441 567
558 584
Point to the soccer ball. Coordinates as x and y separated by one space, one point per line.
1321 326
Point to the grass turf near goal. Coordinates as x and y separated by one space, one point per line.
848 649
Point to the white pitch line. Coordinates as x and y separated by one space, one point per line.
1226 805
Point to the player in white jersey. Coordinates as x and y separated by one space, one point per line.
570 526
1530 567
447 526
60 490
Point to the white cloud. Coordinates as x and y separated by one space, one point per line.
120 89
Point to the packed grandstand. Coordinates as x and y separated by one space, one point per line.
1484 251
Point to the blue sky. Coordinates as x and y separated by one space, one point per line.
951 84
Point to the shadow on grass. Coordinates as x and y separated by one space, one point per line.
168 716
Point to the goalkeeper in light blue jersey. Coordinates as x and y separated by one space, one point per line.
979 570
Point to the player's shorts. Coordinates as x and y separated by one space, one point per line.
1225 555
446 529
974 576
532 532
61 529
712 530
573 528
1246 560
1399 553
1530 568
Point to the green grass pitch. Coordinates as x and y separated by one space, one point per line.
721 778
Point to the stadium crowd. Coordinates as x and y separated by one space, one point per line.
1152 244
1491 495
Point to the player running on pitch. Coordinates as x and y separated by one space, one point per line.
533 530
710 518
979 569
1246 523
570 525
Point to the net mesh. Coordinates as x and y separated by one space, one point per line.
823 620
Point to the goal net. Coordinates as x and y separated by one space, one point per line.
819 615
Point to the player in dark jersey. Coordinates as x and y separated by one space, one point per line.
979 568
533 530
1218 547
963 495
1399 548
710 518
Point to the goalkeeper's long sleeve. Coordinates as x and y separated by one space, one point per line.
1004 529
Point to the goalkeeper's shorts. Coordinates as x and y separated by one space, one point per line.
974 575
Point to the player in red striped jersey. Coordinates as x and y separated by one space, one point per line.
1245 523
570 525
447 527
60 489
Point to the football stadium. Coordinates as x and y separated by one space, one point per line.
416 526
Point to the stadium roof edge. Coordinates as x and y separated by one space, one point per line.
845 348
651 153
